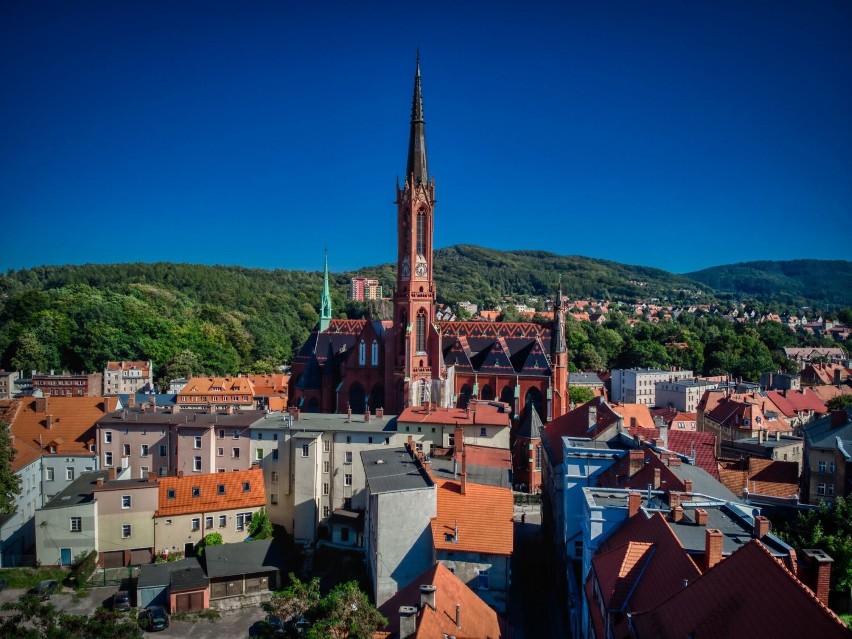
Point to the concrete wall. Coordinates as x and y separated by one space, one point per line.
174 531
61 464
467 566
53 532
17 535
112 517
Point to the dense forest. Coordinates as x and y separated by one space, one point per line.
216 319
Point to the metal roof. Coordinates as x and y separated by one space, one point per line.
393 470
78 492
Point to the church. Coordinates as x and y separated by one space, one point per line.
414 360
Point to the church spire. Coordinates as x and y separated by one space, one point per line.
417 139
559 326
325 302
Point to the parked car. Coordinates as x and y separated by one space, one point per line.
44 589
154 618
121 600
274 625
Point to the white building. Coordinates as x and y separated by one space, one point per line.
128 377
682 394
638 385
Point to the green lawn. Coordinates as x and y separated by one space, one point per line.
29 577
847 619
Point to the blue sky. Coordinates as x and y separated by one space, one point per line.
672 134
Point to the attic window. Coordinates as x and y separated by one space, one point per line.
220 489
246 486
196 491
450 537
171 493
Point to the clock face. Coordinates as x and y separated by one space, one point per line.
420 269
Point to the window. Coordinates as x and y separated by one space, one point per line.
830 467
326 466
325 488
196 523
274 477
69 473
144 450
170 493
483 431
482 583
175 450
196 491
370 439
347 457
260 435
48 474
274 453
326 511
421 233
538 457
220 489
126 531
242 520
107 437
208 521
326 445
305 449
236 434
820 488
220 452
822 466
362 353
223 521
258 454
220 470
126 501
196 464
107 458
163 471
76 524
420 333
246 486
235 453
374 354
163 450
143 472
347 503
197 442
221 433
831 490
349 439
125 450
274 498
347 480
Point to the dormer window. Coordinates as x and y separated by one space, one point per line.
246 486
170 493
220 489
196 491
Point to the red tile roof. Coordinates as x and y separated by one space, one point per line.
704 445
761 477
749 594
478 619
209 498
486 456
791 403
270 384
128 366
482 518
637 412
576 424
480 413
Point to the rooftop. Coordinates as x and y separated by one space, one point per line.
211 492
228 560
338 422
478 521
478 413
392 470
78 492
488 466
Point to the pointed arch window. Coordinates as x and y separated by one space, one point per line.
374 353
362 353
421 232
420 333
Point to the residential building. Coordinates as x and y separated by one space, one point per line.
827 468
587 380
485 423
176 385
362 289
218 393
7 384
776 447
638 385
810 354
756 478
798 406
191 506
68 384
825 374
675 419
270 390
736 416
128 377
125 512
401 504
438 604
779 381
682 394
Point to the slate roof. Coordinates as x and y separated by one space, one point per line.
478 619
584 379
531 426
478 521
188 577
488 466
161 399
153 575
749 594
821 434
231 560
393 470
78 492
209 499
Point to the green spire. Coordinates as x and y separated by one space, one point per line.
325 302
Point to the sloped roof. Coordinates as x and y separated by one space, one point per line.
209 498
478 413
479 620
575 423
684 442
478 521
530 427
749 594
792 402
761 476
228 560
270 384
129 366
216 385
637 412
619 569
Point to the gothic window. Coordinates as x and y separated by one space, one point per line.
362 353
421 233
374 354
403 326
487 393
421 331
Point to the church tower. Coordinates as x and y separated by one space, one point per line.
325 301
416 345
559 357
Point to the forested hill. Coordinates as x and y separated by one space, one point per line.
814 283
484 275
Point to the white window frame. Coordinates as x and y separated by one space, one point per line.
220 452
347 479
347 457
306 448
242 521
126 502
108 458
49 473
126 531
197 442
223 521
144 450
208 522
76 524
196 524
69 473
107 437
196 464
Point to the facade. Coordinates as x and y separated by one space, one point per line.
401 504
484 423
176 385
128 377
362 289
827 467
780 381
527 454
68 384
192 506
731 417
639 385
125 511
7 384
217 393
682 394
414 360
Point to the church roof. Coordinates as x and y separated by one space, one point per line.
531 426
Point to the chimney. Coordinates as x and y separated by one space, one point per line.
761 527
701 517
677 513
838 417
464 473
458 441
712 547
458 615
297 414
349 414
687 486
777 435
407 621
111 472
380 413
818 577
131 401
634 501
427 595
367 415
48 421
230 410
211 409
152 402
637 461
657 473
761 436
100 481
142 408
674 499
180 473
674 461
837 377
175 409
41 405
633 423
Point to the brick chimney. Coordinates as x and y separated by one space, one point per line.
367 415
427 595
230 410
48 421
674 499
712 547
380 413
410 443
634 501
407 621
687 486
100 481
817 575
131 401
176 408
700 517
111 473
41 405
210 409
637 461
152 402
657 480
458 442
677 513
761 527
464 472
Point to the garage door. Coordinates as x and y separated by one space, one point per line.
141 556
113 559
189 601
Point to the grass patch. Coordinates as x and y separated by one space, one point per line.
847 619
29 577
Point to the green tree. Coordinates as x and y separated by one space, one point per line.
183 364
213 539
509 314
30 354
580 394
346 613
260 526
297 599
10 483
31 618
841 402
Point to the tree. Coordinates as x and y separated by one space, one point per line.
841 402
580 394
260 526
10 483
213 539
31 618
346 613
30 355
297 599
184 364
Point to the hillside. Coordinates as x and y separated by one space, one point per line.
813 283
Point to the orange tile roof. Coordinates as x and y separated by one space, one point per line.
761 477
826 393
481 413
482 517
486 456
619 569
72 427
270 384
639 411
203 386
210 499
277 403
127 366
478 619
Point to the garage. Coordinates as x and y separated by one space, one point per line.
140 556
113 559
189 588
189 601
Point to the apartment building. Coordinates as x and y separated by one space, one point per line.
122 378
827 469
485 423
362 289
68 384
682 394
7 384
639 385
218 393
125 508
